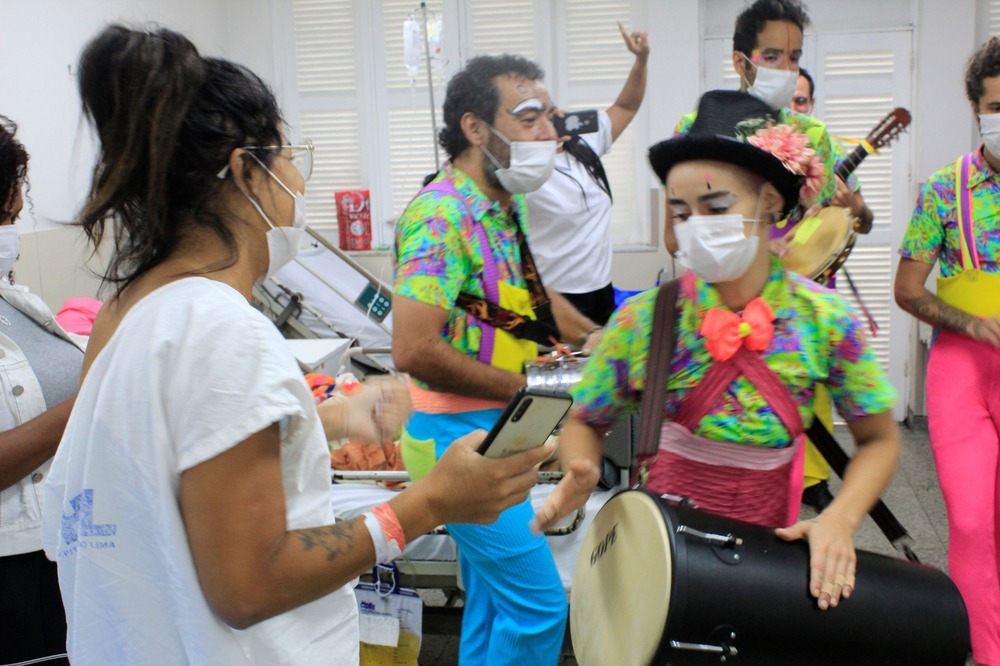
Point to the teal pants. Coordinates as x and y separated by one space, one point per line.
515 605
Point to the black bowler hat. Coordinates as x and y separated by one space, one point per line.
726 118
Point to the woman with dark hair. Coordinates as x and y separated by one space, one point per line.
189 503
39 374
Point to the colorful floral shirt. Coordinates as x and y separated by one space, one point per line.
933 231
437 254
819 140
817 339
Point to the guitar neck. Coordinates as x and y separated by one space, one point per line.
851 162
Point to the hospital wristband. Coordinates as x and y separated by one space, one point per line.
378 537
386 532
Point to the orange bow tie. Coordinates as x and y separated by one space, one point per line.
725 331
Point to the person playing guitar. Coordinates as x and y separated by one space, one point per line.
848 193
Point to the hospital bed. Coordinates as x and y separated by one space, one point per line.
324 294
430 561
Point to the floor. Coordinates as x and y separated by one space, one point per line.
913 496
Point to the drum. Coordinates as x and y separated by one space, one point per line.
822 244
660 583
559 374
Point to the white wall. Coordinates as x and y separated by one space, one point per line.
40 44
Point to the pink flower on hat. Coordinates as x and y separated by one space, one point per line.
792 148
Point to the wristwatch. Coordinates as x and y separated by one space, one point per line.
586 336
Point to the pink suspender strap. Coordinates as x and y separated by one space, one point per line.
966 219
491 276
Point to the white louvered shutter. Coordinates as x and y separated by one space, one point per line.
717 66
860 78
989 11
596 64
502 27
327 64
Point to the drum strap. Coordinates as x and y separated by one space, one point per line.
663 339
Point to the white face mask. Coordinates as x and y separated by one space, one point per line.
283 243
10 248
715 247
774 87
989 128
531 164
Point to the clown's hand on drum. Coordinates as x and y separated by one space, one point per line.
580 455
832 558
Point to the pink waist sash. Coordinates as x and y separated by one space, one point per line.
750 483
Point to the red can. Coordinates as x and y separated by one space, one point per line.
354 219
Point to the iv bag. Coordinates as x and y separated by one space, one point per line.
435 24
411 47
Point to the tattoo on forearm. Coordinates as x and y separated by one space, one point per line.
932 310
336 539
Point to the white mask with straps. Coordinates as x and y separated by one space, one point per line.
10 248
283 243
715 247
989 129
531 164
774 87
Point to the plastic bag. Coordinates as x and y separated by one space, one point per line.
391 619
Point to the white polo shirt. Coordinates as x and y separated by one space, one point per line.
569 222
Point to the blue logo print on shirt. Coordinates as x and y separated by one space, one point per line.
80 525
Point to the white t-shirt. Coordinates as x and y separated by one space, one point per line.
569 222
192 370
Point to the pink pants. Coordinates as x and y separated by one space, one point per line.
963 405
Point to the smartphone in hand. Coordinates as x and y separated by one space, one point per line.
576 122
526 423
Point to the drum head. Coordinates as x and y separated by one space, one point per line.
622 583
818 241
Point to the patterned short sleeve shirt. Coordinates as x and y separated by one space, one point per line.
438 256
932 234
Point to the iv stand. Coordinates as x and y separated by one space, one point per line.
430 87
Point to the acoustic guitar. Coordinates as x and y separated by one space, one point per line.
823 242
